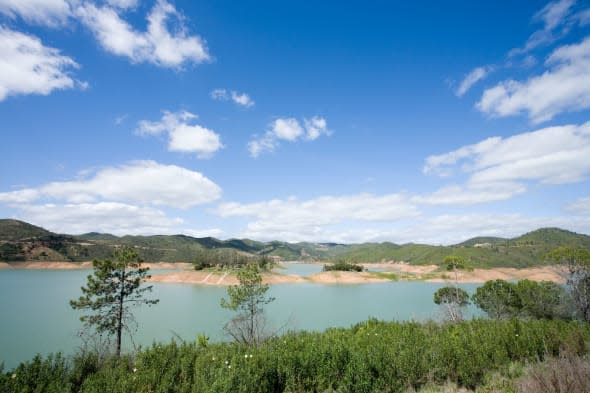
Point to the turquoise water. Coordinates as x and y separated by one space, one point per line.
299 268
36 317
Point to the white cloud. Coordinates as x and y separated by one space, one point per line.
219 94
51 13
29 67
158 45
287 129
554 15
278 218
142 182
315 127
290 130
581 207
470 194
182 136
107 217
564 87
242 99
553 155
123 4
471 79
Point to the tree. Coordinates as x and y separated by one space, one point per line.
454 263
542 300
454 299
527 299
498 298
110 292
577 263
247 298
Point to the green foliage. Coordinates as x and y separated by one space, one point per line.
498 298
453 299
527 250
577 263
247 299
14 230
526 299
451 295
11 252
111 290
372 356
222 259
454 263
342 266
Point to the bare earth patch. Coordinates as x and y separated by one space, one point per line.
184 274
545 273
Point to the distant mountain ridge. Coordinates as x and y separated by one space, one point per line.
21 241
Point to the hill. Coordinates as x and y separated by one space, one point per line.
14 230
20 241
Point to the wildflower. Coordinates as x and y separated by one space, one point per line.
13 376
226 362
517 335
250 356
229 366
134 370
246 356
213 358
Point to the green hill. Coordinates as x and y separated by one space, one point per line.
523 251
14 230
20 241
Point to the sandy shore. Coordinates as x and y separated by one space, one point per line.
183 274
546 273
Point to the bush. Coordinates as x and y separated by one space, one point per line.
372 356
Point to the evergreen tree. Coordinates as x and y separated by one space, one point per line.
111 291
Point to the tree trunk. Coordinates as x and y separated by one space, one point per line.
120 316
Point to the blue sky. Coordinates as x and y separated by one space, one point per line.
297 121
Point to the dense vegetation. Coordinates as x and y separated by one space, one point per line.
524 299
372 356
34 243
342 266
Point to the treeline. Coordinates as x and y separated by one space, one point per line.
229 259
372 356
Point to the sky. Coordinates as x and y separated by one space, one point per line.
329 121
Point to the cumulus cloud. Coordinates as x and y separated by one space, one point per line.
142 182
108 217
564 87
158 45
241 99
471 79
182 136
373 218
284 216
289 130
29 67
51 13
552 155
472 193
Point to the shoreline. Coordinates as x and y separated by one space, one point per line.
389 272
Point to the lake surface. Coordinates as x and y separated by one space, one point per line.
35 316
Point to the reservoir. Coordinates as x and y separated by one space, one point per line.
35 315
